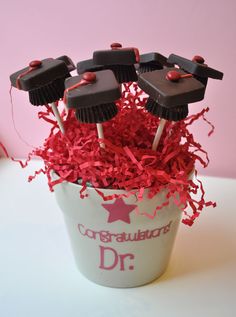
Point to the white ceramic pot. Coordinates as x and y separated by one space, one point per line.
114 245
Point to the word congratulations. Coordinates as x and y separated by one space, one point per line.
106 236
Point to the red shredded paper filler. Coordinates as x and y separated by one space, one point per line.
127 162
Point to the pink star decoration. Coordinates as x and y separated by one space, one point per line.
119 211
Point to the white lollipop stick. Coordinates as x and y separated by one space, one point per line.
158 134
58 117
100 134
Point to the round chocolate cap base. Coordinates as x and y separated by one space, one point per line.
171 114
97 114
124 73
148 67
48 93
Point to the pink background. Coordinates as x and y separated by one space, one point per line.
39 29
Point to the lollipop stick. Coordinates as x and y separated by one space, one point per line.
158 134
100 134
58 117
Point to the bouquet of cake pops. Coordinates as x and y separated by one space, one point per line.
122 124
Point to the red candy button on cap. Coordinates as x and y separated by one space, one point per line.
35 64
89 76
116 45
173 75
198 59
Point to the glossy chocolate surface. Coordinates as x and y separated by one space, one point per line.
168 93
104 90
88 66
154 58
69 63
195 68
114 57
49 70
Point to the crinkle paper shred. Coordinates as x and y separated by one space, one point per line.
127 161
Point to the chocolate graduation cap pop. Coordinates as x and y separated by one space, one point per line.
196 67
88 66
170 91
93 96
152 61
44 80
120 60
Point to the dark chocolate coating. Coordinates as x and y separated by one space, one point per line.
104 90
192 67
48 93
203 80
88 66
171 114
171 94
97 114
155 58
69 63
50 70
114 57
152 61
124 73
148 67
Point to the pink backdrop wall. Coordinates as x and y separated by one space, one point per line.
38 29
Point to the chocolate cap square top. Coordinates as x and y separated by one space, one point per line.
47 70
114 57
171 93
88 66
196 68
105 89
69 63
154 58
